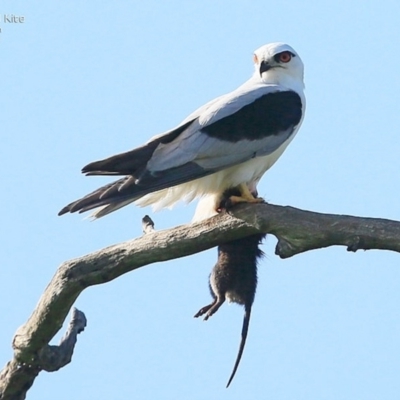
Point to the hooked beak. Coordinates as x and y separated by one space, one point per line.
264 66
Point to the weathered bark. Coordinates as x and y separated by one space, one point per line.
297 231
16 378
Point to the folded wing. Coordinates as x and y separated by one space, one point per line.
228 131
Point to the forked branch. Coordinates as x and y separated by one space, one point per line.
297 231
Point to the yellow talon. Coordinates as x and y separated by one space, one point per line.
245 196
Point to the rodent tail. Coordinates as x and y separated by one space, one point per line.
245 328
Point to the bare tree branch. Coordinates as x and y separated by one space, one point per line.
297 231
52 358
17 378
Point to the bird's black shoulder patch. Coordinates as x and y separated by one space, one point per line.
266 116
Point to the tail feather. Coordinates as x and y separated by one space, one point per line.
101 212
138 180
127 188
92 200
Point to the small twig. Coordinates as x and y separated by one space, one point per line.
147 225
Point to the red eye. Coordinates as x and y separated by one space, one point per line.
285 56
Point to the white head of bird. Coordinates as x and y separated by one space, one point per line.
278 63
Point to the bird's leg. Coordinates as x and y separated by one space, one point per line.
245 196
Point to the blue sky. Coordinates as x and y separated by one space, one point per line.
85 80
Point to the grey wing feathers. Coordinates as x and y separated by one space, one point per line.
138 182
132 162
260 123
225 132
